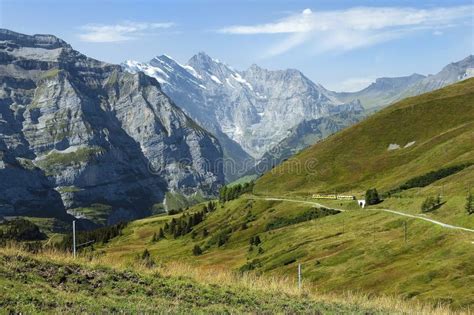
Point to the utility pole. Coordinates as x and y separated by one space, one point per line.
74 238
299 276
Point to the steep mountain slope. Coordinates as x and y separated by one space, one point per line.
385 91
103 138
186 88
305 134
450 74
252 108
407 139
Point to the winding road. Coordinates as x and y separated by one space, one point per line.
445 225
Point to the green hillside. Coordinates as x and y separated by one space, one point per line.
52 283
358 250
437 129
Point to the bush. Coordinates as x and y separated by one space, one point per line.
469 204
255 240
372 197
197 250
430 204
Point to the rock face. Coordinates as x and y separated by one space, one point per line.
385 91
76 132
249 111
452 73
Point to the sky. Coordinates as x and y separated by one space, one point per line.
343 45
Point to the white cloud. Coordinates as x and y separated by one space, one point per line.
353 28
101 33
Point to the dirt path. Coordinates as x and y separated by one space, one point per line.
445 225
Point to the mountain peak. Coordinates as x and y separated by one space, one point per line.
38 40
201 57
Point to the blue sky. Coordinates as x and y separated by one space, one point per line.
341 44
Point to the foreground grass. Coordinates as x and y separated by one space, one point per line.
54 282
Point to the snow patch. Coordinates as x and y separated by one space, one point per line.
393 146
215 79
409 144
192 71
228 82
237 77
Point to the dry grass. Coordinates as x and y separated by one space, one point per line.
247 281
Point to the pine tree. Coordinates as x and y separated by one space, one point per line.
161 234
205 233
372 196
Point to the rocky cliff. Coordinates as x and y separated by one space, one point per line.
76 133
249 111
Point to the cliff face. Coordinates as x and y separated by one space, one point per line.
81 132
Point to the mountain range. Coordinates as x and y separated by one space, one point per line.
249 111
385 91
257 112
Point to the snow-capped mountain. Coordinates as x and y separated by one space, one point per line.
254 108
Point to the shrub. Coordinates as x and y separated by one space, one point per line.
197 250
255 240
430 204
469 204
146 259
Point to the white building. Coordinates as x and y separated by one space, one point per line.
361 203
